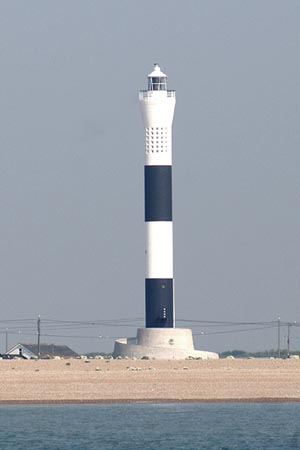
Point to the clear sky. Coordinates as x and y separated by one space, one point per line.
72 155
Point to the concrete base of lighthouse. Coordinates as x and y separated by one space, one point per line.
160 343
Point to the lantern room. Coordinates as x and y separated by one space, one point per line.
157 80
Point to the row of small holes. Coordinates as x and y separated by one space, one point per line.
157 140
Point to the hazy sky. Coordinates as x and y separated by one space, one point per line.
72 156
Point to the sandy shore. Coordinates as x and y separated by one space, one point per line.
120 380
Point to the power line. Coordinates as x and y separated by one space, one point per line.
68 336
79 329
234 331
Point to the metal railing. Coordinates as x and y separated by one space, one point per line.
149 94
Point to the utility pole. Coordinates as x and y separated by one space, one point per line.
288 340
39 336
278 347
6 340
289 336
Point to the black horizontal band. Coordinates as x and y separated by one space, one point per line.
158 193
159 303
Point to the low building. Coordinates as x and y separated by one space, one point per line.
47 351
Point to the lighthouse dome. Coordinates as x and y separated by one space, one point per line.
157 80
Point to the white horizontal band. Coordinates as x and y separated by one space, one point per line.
158 159
159 250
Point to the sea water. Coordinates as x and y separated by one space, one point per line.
151 426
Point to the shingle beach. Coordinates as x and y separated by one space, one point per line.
74 380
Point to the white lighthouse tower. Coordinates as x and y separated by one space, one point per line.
159 339
157 106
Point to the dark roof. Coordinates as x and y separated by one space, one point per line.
51 350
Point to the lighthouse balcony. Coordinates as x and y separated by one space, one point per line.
150 94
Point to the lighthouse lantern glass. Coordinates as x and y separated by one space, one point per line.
157 84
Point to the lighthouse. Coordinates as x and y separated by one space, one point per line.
157 107
159 339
